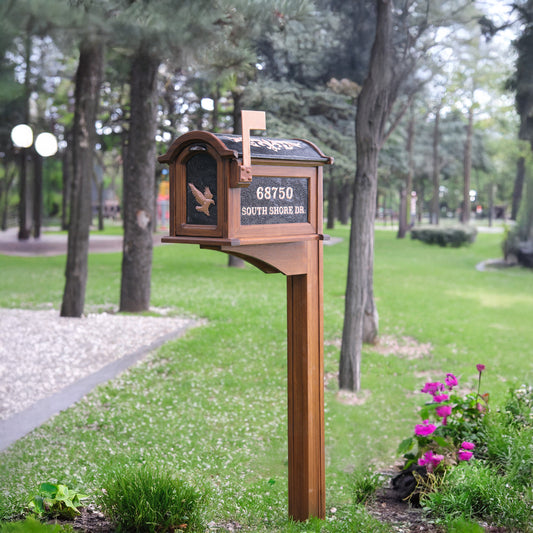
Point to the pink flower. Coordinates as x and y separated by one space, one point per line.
443 410
480 368
451 381
430 461
468 445
464 455
425 429
433 387
440 398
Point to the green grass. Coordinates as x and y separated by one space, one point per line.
211 407
143 499
32 525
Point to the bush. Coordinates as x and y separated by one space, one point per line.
455 236
146 499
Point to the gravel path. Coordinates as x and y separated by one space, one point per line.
42 355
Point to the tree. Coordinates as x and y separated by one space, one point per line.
373 108
87 91
522 235
171 30
395 53
139 182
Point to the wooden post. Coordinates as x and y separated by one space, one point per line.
307 483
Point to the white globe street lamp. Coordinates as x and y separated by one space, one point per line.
22 136
46 144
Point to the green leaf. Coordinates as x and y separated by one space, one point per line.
62 492
49 488
441 441
37 505
406 445
427 411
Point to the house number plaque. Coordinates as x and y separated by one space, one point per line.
274 201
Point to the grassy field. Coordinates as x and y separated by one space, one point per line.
212 405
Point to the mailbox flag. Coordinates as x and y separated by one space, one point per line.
251 120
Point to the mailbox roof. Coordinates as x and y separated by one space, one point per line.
280 149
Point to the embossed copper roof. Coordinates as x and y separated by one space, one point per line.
267 148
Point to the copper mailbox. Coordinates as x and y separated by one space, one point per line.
217 200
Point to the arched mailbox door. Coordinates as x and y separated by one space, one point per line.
270 214
209 199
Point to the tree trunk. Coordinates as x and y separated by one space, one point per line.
236 262
491 204
37 194
373 109
344 203
87 91
434 215
66 164
518 186
405 192
216 103
139 184
402 215
24 230
332 203
467 164
9 177
371 318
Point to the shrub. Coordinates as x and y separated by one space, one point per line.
455 236
146 499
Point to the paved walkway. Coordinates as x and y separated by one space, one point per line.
56 244
48 363
51 339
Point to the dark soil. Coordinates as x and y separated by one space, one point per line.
387 506
402 517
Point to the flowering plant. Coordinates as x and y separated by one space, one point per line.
451 426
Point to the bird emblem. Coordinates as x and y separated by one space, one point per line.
204 200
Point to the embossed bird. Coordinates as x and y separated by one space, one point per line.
205 199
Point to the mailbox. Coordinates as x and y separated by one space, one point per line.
215 199
261 199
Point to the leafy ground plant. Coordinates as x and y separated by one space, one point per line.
141 499
56 501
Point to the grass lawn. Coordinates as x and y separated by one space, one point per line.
212 405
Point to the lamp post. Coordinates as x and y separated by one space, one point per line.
45 146
22 137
